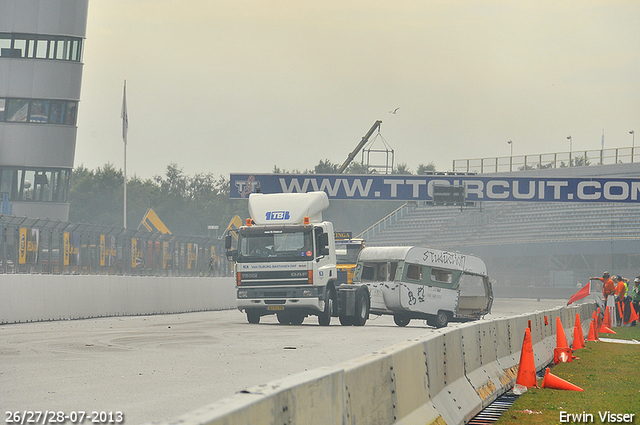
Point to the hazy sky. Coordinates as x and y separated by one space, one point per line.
241 86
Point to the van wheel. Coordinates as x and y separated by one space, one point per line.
324 318
362 307
400 320
441 319
253 316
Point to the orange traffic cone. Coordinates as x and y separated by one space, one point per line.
562 355
546 322
561 338
605 327
605 330
552 381
527 367
592 332
578 336
607 317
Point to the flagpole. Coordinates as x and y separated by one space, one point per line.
125 129
125 185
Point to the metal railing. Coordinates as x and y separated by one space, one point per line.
31 245
387 221
546 160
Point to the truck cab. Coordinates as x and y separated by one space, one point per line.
285 261
347 250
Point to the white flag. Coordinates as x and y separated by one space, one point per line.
125 117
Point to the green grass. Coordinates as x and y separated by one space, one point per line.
630 332
609 374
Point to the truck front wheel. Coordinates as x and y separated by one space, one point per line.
283 318
253 316
297 319
324 318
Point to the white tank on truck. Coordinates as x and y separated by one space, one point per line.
285 261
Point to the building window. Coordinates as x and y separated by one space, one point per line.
17 110
35 184
39 111
70 113
39 46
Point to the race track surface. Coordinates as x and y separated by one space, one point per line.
155 368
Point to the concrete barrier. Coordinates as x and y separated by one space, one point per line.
446 377
31 297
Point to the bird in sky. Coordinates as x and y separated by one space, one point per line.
394 111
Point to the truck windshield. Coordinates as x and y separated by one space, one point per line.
276 245
347 252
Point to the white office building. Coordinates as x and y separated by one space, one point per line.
41 44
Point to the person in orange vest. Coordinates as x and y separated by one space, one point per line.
620 294
608 287
621 287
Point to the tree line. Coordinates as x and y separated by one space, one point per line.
188 204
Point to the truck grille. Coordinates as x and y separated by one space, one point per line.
262 278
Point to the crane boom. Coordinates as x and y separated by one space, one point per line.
364 140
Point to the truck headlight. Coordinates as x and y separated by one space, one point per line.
307 293
242 294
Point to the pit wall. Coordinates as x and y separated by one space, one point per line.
445 377
32 297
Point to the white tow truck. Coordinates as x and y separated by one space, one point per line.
285 261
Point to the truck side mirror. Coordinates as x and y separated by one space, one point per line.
232 254
323 243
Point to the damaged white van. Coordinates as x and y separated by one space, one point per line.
424 283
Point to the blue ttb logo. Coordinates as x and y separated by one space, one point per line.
278 215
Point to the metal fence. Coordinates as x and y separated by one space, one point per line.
31 245
548 160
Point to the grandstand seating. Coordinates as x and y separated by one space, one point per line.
497 223
503 223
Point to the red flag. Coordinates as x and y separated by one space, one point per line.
582 293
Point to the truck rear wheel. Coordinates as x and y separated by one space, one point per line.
346 320
362 307
401 320
253 316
